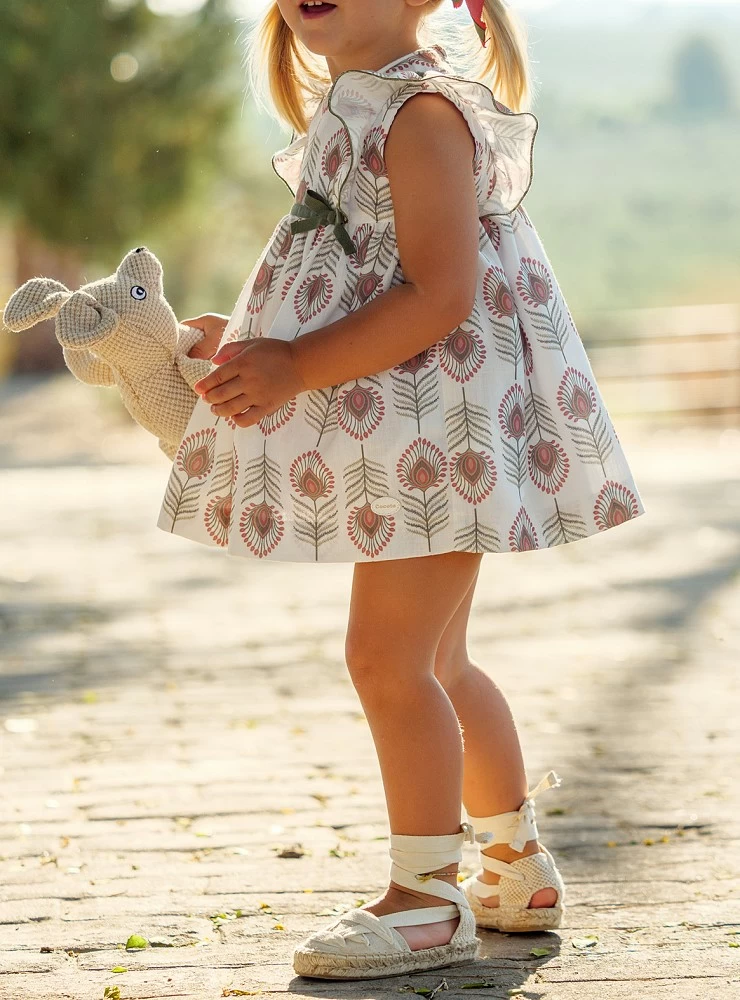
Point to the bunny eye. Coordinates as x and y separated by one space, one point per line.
137 292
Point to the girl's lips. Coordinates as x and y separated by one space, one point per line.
311 12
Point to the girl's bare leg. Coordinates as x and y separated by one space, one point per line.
399 611
494 779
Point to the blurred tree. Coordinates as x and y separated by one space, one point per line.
701 84
111 117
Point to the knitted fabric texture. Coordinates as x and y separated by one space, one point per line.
121 331
539 873
513 912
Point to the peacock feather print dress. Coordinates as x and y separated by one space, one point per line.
494 439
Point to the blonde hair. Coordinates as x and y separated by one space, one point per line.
288 80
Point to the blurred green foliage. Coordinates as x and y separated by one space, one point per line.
635 164
110 115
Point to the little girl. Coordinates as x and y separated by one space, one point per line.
401 386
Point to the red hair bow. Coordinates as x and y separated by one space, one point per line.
476 12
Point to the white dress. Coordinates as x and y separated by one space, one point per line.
494 439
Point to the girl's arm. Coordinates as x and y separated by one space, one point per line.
429 160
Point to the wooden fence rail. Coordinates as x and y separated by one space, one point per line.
667 365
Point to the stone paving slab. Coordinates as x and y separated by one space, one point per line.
171 721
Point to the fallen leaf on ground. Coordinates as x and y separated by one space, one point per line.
293 851
340 852
424 991
587 941
332 910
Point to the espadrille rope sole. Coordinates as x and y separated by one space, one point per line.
519 880
361 945
314 964
513 919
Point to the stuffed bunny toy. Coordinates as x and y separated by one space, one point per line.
122 331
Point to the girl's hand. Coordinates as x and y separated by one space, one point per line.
256 376
213 324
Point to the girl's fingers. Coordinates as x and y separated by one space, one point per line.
224 392
203 352
229 350
253 416
231 406
220 376
206 347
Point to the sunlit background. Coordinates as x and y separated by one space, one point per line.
130 122
177 728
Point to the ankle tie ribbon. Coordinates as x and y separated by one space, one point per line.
526 810
315 211
517 826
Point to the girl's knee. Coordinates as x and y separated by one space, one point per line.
379 666
368 664
449 669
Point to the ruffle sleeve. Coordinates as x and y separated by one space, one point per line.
366 104
287 162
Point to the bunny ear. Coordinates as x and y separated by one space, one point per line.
36 300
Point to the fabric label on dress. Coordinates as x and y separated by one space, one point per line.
385 505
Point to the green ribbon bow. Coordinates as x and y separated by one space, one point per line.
316 211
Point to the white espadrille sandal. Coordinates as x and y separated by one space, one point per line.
520 879
360 945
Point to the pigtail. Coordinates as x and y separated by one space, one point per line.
502 64
285 77
288 80
505 56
